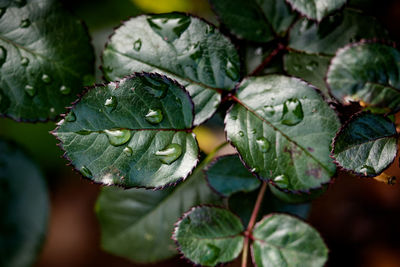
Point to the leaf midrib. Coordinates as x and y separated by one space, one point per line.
369 141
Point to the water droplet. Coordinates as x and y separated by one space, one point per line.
118 137
292 113
2 11
52 110
128 151
169 154
25 23
86 172
154 116
232 70
281 181
65 90
46 78
194 52
24 61
211 255
234 118
312 66
269 110
254 170
241 133
367 170
137 45
258 51
3 55
210 29
169 26
263 144
111 103
30 90
253 131
70 116
158 89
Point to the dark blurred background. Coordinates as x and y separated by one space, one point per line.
358 218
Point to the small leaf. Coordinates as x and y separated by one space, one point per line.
137 223
282 240
45 53
316 9
111 140
182 47
294 119
24 208
366 145
209 235
255 20
228 176
367 72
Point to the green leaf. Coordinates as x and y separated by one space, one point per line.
182 47
24 208
137 223
255 20
228 175
254 55
297 197
133 133
367 72
282 240
282 129
45 55
209 235
366 144
316 9
312 45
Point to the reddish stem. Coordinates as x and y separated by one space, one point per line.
267 60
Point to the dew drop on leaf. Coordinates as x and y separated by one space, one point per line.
86 172
281 181
367 170
46 78
169 26
241 133
65 90
292 113
169 154
263 144
212 254
154 116
111 103
137 45
70 116
157 89
254 131
24 61
25 23
128 151
3 55
118 137
232 71
30 90
269 110
312 66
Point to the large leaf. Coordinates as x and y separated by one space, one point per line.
182 47
282 129
137 223
255 20
45 58
367 72
316 9
312 45
24 208
227 175
136 132
209 235
282 240
366 145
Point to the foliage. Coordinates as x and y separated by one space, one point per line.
166 74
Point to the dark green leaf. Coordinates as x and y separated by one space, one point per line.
282 240
45 55
136 132
185 48
297 197
137 223
283 129
255 20
366 145
312 44
24 208
367 72
228 176
209 235
316 9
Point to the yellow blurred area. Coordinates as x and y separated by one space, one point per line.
162 6
206 138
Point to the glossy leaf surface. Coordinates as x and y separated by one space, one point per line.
182 47
137 223
24 208
316 9
209 235
367 72
282 240
133 133
255 20
45 58
366 145
282 128
228 176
